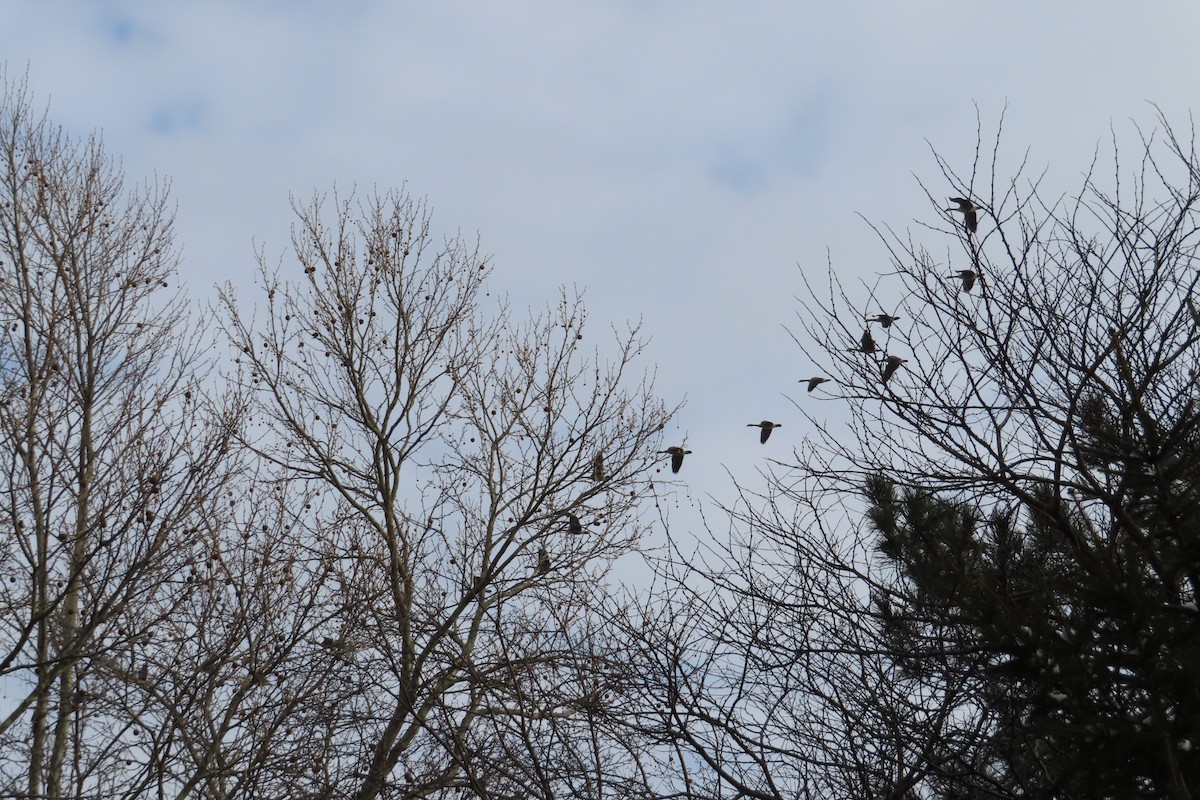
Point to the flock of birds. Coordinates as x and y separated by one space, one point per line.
970 212
866 344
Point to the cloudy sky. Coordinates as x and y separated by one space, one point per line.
682 162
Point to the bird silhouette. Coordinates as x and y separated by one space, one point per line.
543 565
766 425
677 454
866 344
891 364
598 467
967 276
814 382
573 523
885 320
968 210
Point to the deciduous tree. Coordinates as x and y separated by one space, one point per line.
112 457
446 446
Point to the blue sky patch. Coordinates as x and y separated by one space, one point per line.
737 170
176 117
120 30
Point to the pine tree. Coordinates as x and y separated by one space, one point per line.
1075 616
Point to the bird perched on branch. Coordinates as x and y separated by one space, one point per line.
677 454
543 565
885 320
967 276
598 467
890 365
968 210
866 344
814 382
767 426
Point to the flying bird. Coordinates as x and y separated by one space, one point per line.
573 524
598 467
885 320
968 210
677 454
814 382
766 425
891 364
967 276
866 344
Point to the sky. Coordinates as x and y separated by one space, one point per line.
682 163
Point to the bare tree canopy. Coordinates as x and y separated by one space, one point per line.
358 537
988 588
113 460
369 557
454 523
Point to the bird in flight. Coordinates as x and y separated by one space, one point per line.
814 382
573 523
677 454
891 364
885 320
968 210
967 276
767 426
866 344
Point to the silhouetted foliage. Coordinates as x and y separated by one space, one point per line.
983 583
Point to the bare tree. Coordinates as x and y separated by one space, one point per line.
763 673
456 535
388 574
1029 470
978 578
112 456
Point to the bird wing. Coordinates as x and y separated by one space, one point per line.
889 369
676 462
766 431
